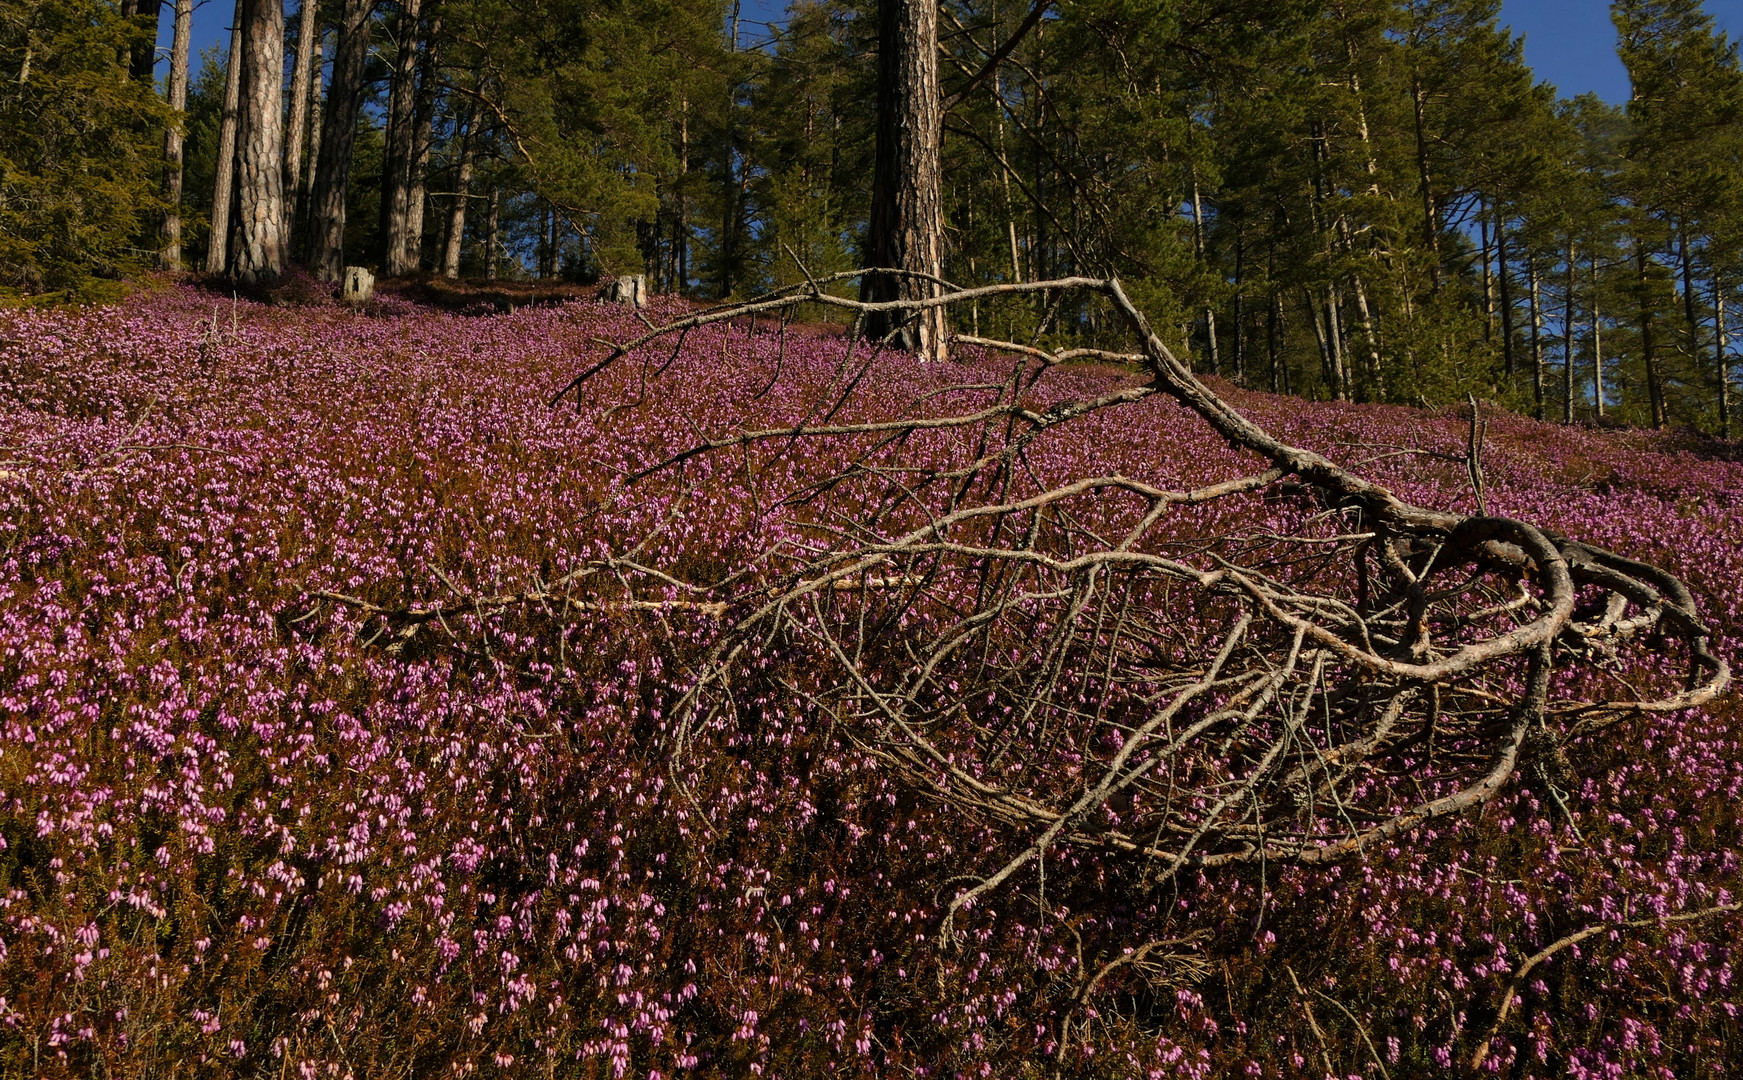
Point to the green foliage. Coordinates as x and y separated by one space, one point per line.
80 149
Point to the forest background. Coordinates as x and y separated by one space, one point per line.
1364 200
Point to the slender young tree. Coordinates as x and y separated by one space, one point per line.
345 94
296 127
174 134
396 169
423 144
462 188
224 178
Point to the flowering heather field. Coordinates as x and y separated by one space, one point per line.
247 831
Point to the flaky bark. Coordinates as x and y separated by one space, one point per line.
260 236
338 133
906 228
171 257
224 180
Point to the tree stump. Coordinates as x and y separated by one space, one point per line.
357 286
630 289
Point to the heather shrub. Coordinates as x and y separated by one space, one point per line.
246 830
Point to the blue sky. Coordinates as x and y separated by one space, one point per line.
1572 44
1568 42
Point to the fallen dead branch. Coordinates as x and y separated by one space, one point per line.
1084 665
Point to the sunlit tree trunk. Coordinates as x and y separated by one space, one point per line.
338 132
296 127
1722 344
171 257
1536 337
490 235
1597 346
906 226
305 182
1567 359
423 120
396 168
260 246
462 186
224 179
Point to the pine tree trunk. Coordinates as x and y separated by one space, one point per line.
1723 344
1690 316
306 179
1597 347
1506 290
424 120
396 169
260 246
1273 342
224 181
338 133
296 128
1488 273
1536 337
1376 370
1567 359
1430 217
906 227
681 235
1209 314
462 186
1239 320
490 235
171 257
1654 391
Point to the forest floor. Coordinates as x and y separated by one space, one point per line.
237 830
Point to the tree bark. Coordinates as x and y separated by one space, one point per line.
305 182
1536 337
1597 346
338 133
490 235
1209 314
224 181
171 257
462 186
1506 289
260 246
1722 344
396 168
296 128
1654 392
906 227
1567 359
424 121
1430 217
